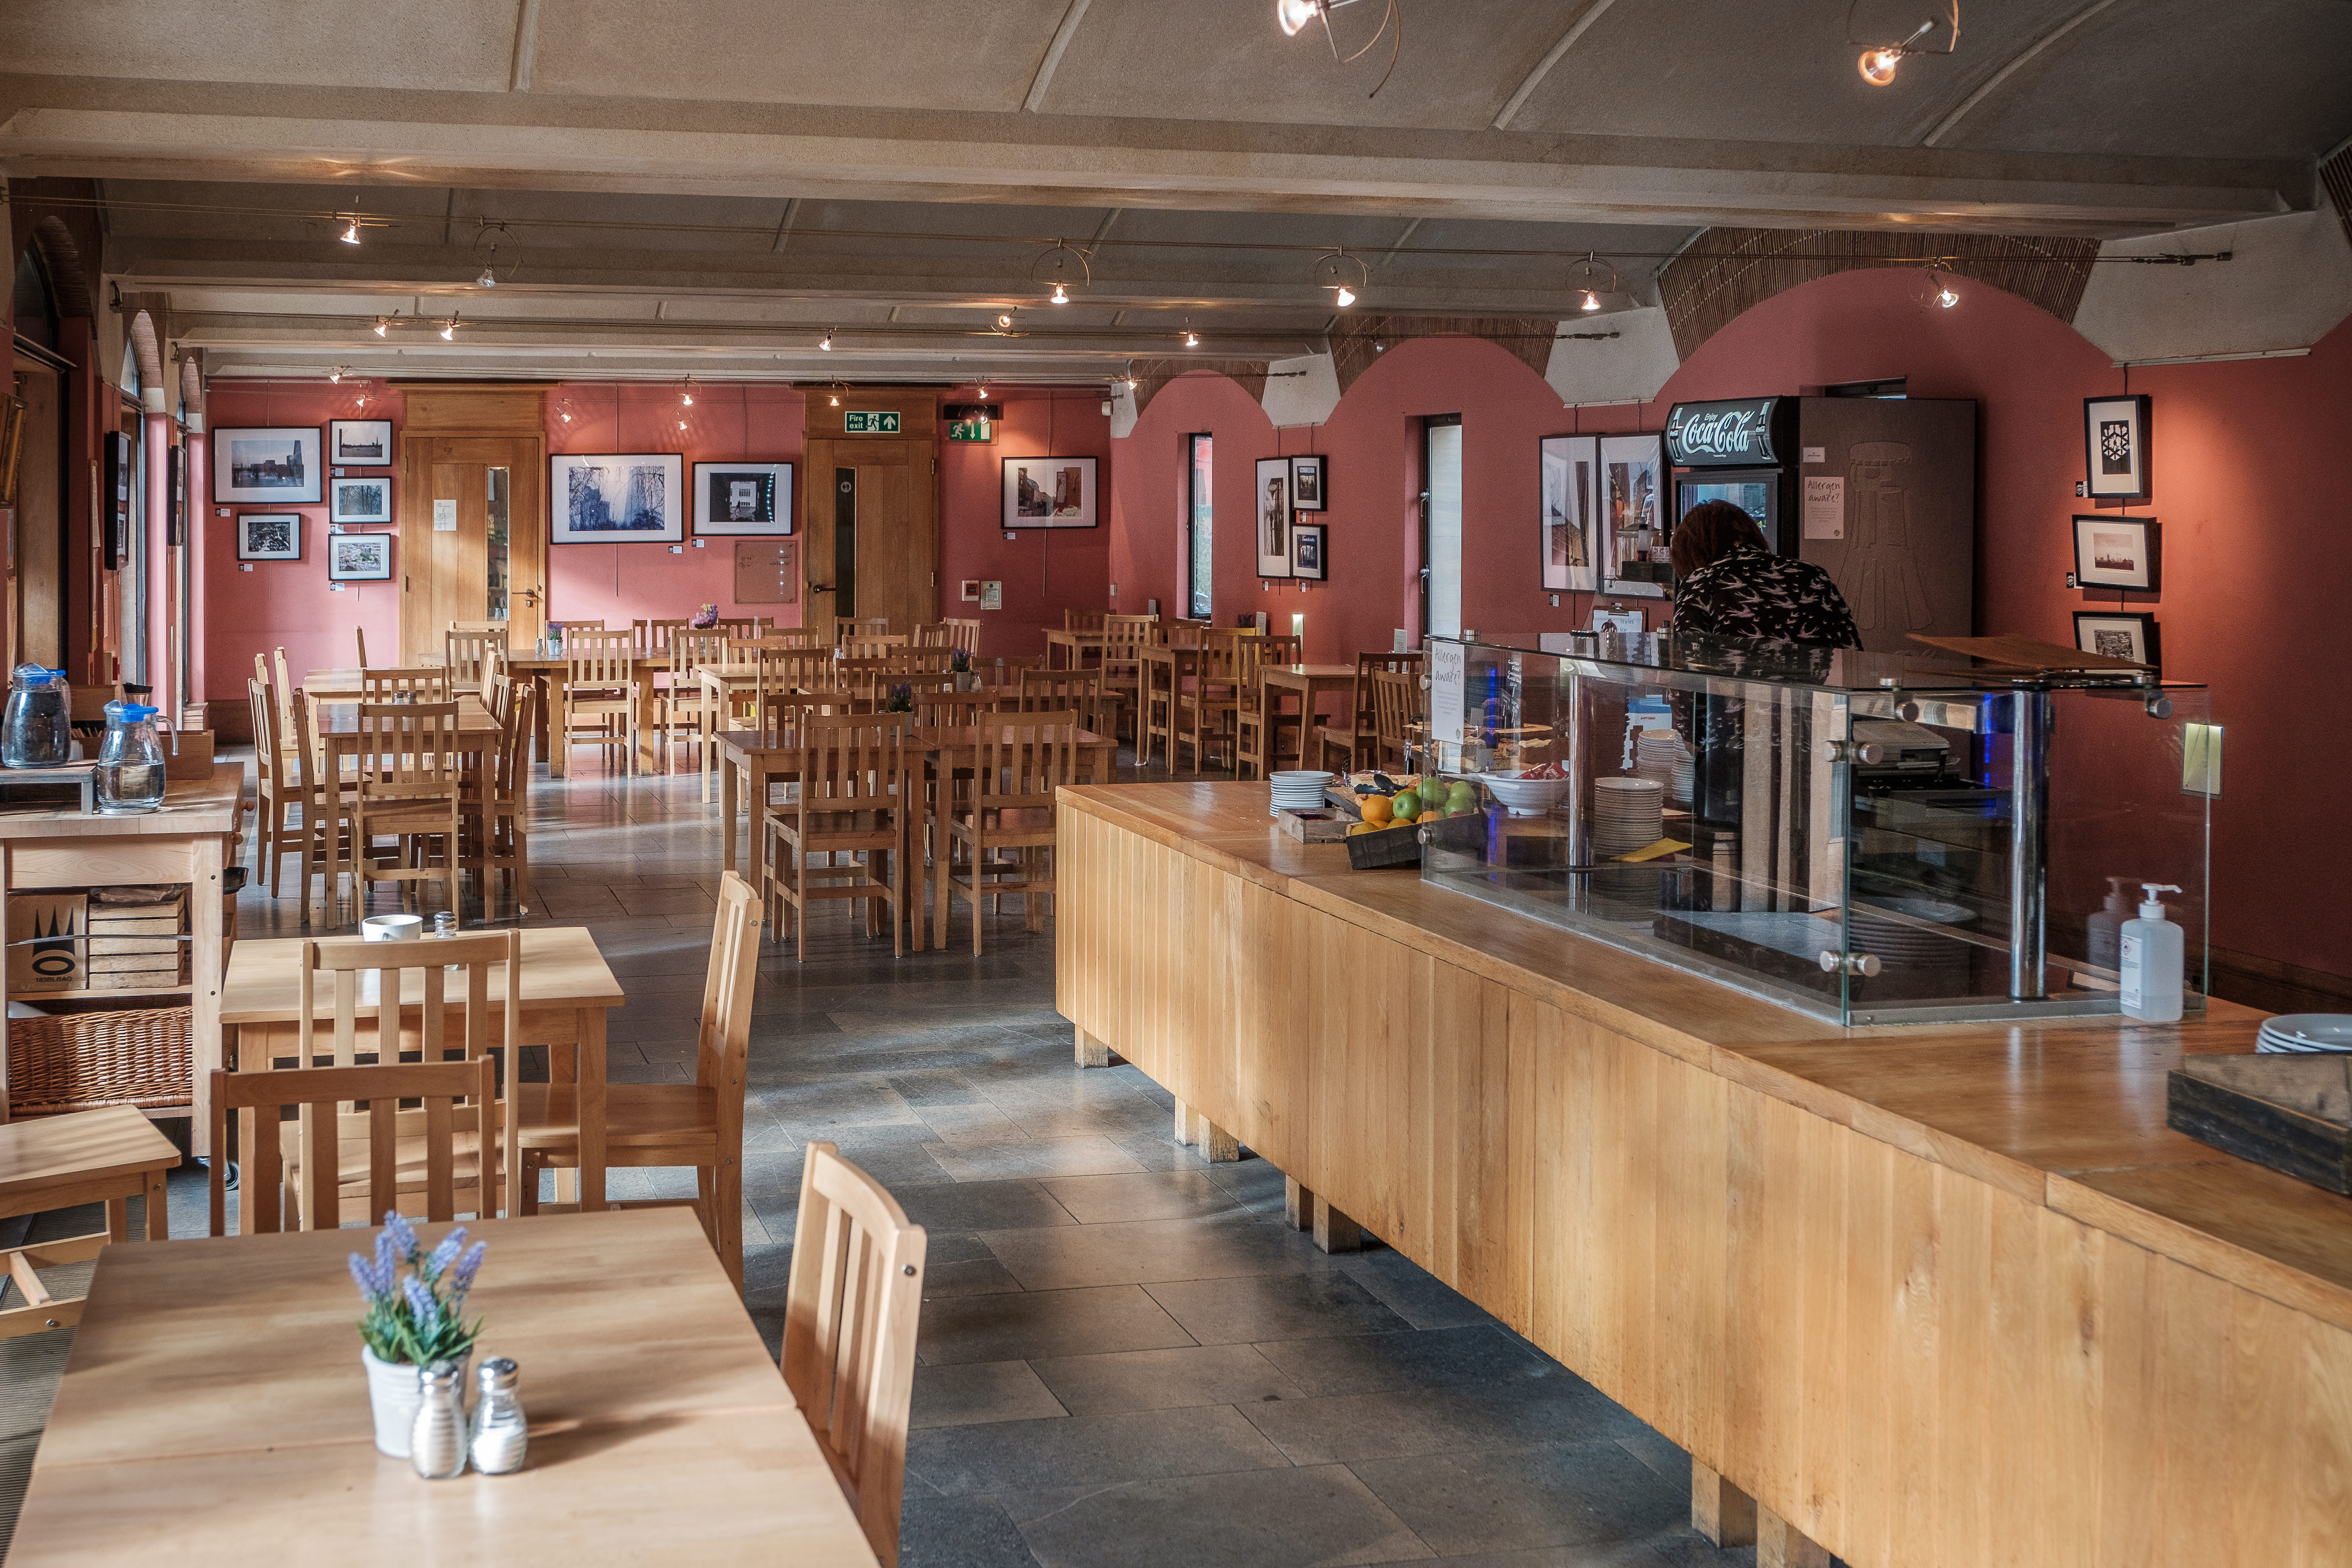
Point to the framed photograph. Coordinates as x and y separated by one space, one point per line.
2116 551
1627 621
1564 523
359 443
270 536
742 498
1308 547
359 557
1631 500
1049 492
1271 501
273 467
359 500
2118 635
1310 484
2114 445
176 496
613 498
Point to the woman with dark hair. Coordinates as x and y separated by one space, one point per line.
1733 586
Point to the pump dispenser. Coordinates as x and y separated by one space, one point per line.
2151 961
2105 925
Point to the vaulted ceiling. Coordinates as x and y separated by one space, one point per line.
714 186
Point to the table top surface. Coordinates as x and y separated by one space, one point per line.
745 743
323 684
1300 674
190 806
43 1151
343 719
561 967
215 1409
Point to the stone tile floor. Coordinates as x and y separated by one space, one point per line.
1126 1357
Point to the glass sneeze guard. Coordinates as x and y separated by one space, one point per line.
1870 839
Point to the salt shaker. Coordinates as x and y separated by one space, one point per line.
438 1446
445 924
499 1430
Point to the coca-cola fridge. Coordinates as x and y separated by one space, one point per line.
1880 492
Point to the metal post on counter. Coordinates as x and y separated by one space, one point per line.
2029 813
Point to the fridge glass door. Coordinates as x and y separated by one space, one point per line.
1755 491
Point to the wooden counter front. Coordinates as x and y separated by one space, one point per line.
1935 1294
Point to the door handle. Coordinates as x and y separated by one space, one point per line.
820 587
529 596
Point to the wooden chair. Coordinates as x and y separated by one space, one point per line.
942 710
597 699
1205 706
499 693
470 655
678 704
650 1124
1005 824
1083 620
413 683
1263 735
1351 747
845 628
653 637
964 635
855 789
500 831
290 787
850 1313
409 786
934 633
320 1093
1396 699
353 1024
871 646
742 628
110 1156
1159 710
1123 638
1064 692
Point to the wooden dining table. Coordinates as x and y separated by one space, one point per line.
754 762
214 1410
335 724
1308 683
1076 646
567 989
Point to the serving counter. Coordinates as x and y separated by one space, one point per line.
1926 1294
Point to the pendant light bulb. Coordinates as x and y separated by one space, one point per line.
1945 297
1346 296
1191 339
381 326
351 231
488 280
1877 65
833 400
567 415
1293 14
984 391
449 330
686 398
1061 295
335 375
1004 323
1591 301
825 342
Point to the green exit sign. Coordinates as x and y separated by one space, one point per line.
972 430
877 423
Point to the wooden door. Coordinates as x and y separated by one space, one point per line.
870 529
481 552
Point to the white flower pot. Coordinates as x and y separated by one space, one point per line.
394 1395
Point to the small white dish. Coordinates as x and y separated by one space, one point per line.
392 928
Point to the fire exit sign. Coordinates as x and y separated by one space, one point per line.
857 422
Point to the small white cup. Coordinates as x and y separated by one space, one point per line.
392 928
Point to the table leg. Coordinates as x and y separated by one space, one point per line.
205 973
559 730
117 1219
726 811
940 902
702 733
590 1033
159 1214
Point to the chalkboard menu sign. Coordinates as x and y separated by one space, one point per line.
1714 435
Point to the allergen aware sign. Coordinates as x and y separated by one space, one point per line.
1445 697
445 516
1738 431
1825 506
870 422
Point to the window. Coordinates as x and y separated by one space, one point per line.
1199 518
1441 525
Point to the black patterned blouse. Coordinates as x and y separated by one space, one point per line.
1770 599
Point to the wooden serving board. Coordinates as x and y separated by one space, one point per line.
2291 1112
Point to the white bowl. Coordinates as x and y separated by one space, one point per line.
392 928
1526 797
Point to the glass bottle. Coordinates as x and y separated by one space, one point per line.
37 731
130 760
437 1444
500 1432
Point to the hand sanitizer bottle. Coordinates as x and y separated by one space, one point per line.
2151 961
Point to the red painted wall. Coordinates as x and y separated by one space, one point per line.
285 604
2257 541
1046 571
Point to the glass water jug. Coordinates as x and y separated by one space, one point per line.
130 760
37 730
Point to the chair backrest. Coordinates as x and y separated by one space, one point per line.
1396 697
417 683
1083 620
850 1313
1063 692
952 710
934 633
478 626
409 756
470 655
511 771
740 628
653 635
964 635
804 639
1023 756
499 693
283 685
317 1092
1122 634
724 1043
1361 702
848 626
871 646
598 658
689 651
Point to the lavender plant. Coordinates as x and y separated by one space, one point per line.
418 1317
959 663
901 699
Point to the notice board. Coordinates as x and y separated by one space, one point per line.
767 571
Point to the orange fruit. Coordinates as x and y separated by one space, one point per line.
1377 810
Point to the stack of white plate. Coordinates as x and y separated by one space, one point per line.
1911 939
1627 815
1661 757
1298 789
2302 1032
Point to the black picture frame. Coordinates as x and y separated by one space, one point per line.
1271 517
176 496
2118 452
1310 483
360 500
756 495
359 557
2137 624
272 466
1568 468
358 444
1065 489
1310 550
253 525
2113 550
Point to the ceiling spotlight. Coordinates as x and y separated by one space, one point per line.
488 280
681 424
381 326
1591 301
1061 296
1191 338
352 231
1583 279
983 392
1939 290
1946 297
825 342
449 328
686 397
1293 14
567 415
336 373
1053 264
1346 296
833 400
1004 323
1878 62
1878 65
1329 271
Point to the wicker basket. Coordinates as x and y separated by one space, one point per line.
79 1061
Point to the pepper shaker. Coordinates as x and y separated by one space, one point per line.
500 1432
438 1446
